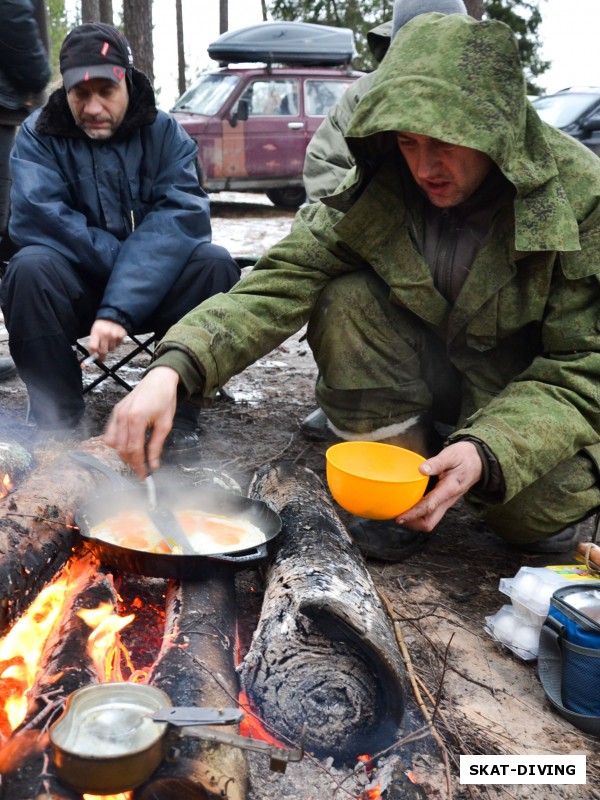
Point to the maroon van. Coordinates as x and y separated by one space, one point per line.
253 122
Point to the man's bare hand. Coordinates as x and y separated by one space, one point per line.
105 336
459 468
151 405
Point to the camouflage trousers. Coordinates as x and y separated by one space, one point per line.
381 366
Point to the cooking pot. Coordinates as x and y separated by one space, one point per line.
126 496
112 736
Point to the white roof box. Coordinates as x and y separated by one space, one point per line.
293 43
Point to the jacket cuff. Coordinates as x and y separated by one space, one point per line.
491 488
114 315
191 381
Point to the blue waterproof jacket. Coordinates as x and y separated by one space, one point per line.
126 211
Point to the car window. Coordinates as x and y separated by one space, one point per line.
208 95
272 97
321 94
562 110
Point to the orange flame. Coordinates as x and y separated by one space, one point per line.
20 652
120 796
22 647
251 726
374 793
6 485
104 646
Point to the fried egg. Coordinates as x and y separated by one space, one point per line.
215 533
209 534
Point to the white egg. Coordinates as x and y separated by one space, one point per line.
505 626
526 586
526 638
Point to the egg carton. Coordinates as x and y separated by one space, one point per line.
514 632
531 589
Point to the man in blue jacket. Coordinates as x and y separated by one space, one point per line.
112 227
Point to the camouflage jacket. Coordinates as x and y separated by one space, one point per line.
327 157
524 331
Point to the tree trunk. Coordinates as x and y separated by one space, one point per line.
474 8
223 16
90 10
324 653
137 23
180 49
106 11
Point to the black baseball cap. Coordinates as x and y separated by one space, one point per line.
94 50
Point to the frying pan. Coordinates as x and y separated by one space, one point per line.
123 495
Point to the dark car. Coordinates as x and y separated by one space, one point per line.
575 111
253 122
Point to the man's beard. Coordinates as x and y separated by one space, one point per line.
97 133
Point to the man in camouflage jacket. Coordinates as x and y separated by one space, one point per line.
327 156
454 275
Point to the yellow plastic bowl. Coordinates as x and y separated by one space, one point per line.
374 480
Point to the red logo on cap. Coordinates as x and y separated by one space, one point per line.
119 73
105 48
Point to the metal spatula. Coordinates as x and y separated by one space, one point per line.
166 521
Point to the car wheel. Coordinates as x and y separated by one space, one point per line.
290 197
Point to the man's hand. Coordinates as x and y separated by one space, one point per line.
151 405
459 468
105 336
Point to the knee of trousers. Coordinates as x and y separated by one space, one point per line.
355 328
566 495
35 265
37 280
214 259
344 299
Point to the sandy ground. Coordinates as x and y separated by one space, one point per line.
482 698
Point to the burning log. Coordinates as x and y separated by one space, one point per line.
324 654
15 463
36 527
196 668
26 761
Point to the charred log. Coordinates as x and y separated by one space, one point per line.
15 463
36 527
196 668
173 789
324 654
65 667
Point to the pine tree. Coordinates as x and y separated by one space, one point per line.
58 26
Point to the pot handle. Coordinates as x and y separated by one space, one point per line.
186 716
259 553
94 464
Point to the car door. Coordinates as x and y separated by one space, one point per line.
321 94
273 133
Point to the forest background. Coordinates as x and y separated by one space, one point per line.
135 18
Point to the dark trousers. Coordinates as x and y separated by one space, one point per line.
7 138
48 305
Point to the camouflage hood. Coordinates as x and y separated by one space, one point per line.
461 81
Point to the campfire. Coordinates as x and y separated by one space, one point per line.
314 665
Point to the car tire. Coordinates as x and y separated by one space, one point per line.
290 197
